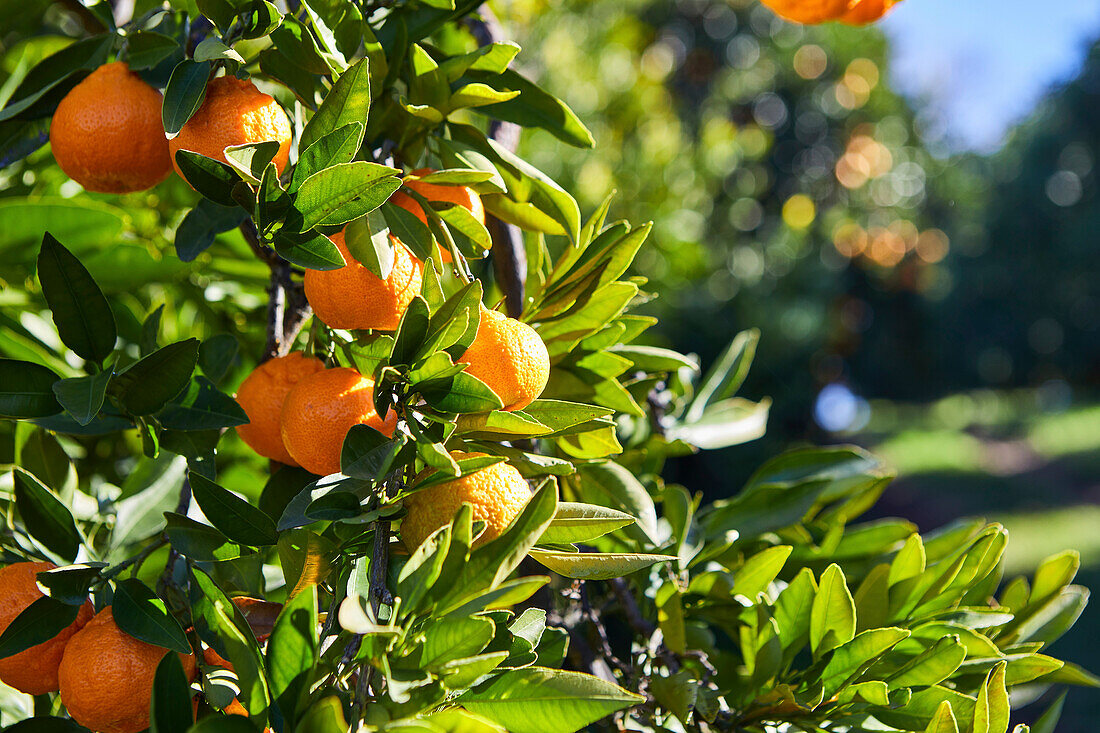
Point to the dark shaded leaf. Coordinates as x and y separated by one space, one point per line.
139 613
45 516
83 316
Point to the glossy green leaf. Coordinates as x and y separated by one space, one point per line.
141 614
26 390
235 517
344 192
147 386
83 316
184 94
44 515
82 397
538 700
39 622
170 707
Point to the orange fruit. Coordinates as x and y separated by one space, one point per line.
107 676
807 11
107 134
461 195
234 112
261 396
509 357
33 670
353 297
496 495
321 409
862 12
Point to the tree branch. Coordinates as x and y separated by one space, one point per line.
287 307
509 256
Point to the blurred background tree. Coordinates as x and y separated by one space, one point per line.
938 306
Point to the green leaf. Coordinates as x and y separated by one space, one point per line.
216 354
212 49
409 230
139 613
348 101
833 617
57 71
147 386
199 541
539 700
202 407
69 584
932 666
170 707
1048 721
292 651
470 235
221 624
202 224
596 565
454 637
312 250
577 522
535 108
338 146
368 240
236 518
722 424
992 710
494 561
344 192
82 397
83 316
504 596
1054 574
45 516
943 721
760 570
461 393
727 374
212 178
184 94
849 661
39 622
148 48
26 390
612 485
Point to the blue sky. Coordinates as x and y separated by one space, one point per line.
983 64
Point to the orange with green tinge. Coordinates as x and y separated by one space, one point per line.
320 410
107 134
34 670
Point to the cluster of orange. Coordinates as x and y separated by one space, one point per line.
105 676
812 12
107 133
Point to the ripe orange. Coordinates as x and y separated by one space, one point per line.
807 11
107 135
107 676
461 195
321 409
261 395
234 112
510 358
862 12
353 297
33 670
496 495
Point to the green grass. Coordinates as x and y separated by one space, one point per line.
1036 535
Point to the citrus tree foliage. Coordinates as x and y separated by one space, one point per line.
128 320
